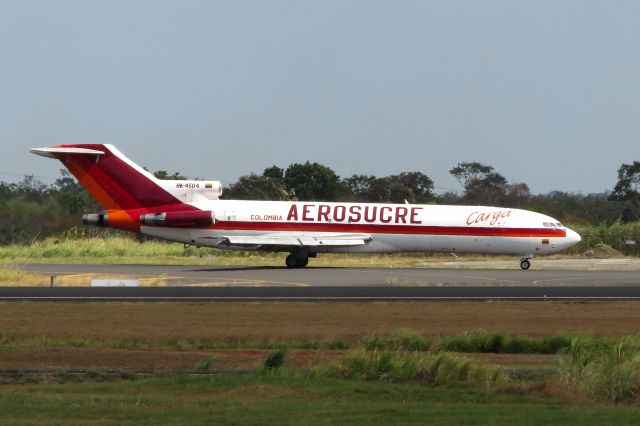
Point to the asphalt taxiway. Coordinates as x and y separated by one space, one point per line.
361 293
204 283
221 276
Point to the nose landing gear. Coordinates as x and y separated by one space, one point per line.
525 264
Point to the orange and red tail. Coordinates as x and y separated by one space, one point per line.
120 186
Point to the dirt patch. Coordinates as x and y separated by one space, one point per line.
127 359
516 360
172 324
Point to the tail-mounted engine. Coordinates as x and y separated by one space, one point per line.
96 219
180 219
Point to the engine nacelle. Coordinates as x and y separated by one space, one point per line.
96 219
180 219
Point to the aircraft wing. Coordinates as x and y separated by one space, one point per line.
293 240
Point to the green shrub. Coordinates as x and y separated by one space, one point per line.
400 340
274 359
336 344
556 343
480 341
206 363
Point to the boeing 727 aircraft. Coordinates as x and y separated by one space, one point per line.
191 212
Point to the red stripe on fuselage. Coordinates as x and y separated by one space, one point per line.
390 229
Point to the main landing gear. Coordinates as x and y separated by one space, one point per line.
297 260
525 264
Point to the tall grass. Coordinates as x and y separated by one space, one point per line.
11 273
477 341
14 276
206 363
605 370
493 342
91 247
116 248
402 339
613 235
400 366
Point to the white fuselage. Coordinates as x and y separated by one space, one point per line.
392 227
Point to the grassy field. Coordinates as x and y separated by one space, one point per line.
291 400
344 362
178 335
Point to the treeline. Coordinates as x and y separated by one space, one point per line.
482 185
30 209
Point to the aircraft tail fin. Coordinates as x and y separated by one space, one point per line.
115 182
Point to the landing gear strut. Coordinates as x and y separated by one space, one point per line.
525 264
296 261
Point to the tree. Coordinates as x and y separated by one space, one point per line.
362 187
517 194
421 185
32 189
254 187
313 182
628 182
627 190
414 187
468 173
397 191
482 185
163 174
274 173
72 195
448 198
6 192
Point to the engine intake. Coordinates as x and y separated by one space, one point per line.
180 219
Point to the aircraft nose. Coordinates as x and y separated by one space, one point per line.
573 237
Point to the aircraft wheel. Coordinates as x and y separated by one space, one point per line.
525 264
291 261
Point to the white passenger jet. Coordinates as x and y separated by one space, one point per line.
191 212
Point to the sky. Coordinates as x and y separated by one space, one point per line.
546 92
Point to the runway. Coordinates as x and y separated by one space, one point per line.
221 276
361 293
204 283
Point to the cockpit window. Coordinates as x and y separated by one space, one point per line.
548 225
558 224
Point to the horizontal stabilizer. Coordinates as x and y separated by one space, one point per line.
51 152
